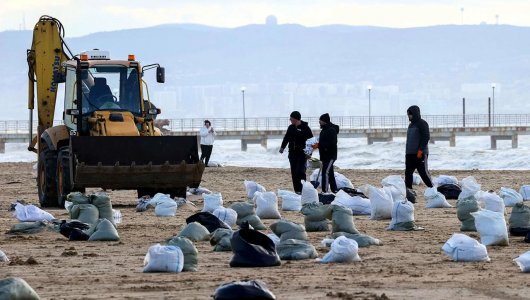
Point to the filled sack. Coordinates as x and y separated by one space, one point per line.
195 232
362 240
343 250
450 191
31 213
416 179
341 180
519 220
357 204
291 201
246 213
78 198
252 248
102 201
444 179
212 202
103 230
188 251
285 230
464 208
402 217
166 208
207 220
164 259
525 192
435 199
220 239
309 193
396 186
85 213
381 202
3 257
315 216
523 261
491 201
15 288
510 196
469 188
267 205
251 187
226 215
27 228
252 289
492 227
342 219
294 249
461 247
326 198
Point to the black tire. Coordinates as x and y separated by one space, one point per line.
64 185
46 180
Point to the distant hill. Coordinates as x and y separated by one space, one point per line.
417 60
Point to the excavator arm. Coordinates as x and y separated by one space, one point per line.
45 60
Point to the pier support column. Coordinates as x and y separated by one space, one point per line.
2 146
493 142
452 141
515 140
243 145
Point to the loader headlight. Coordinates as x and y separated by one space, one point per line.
154 111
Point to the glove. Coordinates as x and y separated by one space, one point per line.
281 150
419 154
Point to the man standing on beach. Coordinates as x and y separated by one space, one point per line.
417 150
296 136
327 147
207 138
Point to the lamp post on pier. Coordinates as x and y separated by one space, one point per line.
369 106
493 101
244 117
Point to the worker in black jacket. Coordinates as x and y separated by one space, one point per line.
327 147
417 150
296 136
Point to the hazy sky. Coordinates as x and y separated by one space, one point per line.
81 17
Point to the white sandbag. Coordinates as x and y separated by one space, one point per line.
397 185
525 192
167 208
416 179
435 199
469 188
291 201
199 191
402 211
358 205
31 213
491 201
444 179
341 180
492 227
227 215
510 196
343 250
212 202
3 257
252 187
461 247
267 206
309 193
523 261
381 202
164 259
159 198
275 239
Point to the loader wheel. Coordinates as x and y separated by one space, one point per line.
46 183
64 185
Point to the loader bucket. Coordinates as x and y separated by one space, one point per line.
124 162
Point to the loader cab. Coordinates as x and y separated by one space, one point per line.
104 84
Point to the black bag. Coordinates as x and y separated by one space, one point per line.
243 290
207 220
527 238
252 248
73 230
450 190
411 195
326 198
519 231
353 192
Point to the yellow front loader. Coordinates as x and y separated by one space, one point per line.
107 138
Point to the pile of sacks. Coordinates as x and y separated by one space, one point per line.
294 243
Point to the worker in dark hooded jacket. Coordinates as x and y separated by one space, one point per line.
327 147
417 150
296 136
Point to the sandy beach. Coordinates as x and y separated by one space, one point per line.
408 265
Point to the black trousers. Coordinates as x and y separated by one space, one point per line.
206 152
298 168
328 176
412 163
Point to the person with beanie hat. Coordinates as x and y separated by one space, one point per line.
296 136
417 149
327 147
